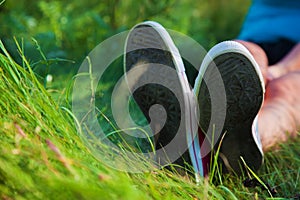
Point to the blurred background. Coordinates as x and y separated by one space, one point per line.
65 31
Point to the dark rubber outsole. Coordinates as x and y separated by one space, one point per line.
244 96
152 94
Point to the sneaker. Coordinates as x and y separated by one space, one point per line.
156 77
230 92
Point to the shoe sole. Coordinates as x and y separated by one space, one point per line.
146 43
244 88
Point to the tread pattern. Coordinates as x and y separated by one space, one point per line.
144 52
244 96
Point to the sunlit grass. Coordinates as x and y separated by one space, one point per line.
43 156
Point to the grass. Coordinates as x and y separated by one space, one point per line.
43 157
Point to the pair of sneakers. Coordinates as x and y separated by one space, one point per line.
219 113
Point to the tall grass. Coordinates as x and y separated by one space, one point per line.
43 157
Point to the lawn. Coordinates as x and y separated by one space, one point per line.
43 156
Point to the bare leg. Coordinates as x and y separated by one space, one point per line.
290 63
279 117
